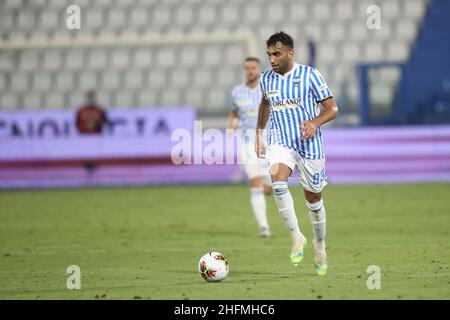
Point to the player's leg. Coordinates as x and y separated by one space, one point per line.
282 162
267 180
254 172
312 178
258 202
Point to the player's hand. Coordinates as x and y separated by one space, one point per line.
260 149
309 128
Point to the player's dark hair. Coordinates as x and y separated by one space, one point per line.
281 37
252 59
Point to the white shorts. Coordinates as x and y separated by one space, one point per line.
311 173
252 165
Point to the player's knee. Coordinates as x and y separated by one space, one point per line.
279 172
313 197
280 187
256 182
314 206
267 190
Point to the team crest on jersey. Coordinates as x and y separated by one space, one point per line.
243 102
272 93
296 81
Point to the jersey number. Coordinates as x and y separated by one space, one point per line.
319 177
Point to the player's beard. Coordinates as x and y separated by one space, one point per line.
283 66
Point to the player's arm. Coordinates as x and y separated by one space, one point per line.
263 117
233 119
329 112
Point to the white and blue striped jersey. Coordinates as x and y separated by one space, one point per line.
294 97
245 101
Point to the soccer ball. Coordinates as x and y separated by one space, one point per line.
213 267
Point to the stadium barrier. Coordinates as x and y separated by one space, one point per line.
40 149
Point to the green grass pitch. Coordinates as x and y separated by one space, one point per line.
144 243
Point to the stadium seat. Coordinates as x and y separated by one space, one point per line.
97 59
226 78
138 17
105 4
74 59
358 30
124 99
42 82
10 101
3 85
252 14
326 53
336 32
298 11
343 10
184 15
116 18
206 15
202 78
166 57
195 69
52 59
54 100
134 79
397 51
381 96
156 78
94 19
104 98
188 56
120 59
211 56
314 31
64 81
230 14
19 82
76 98
406 29
170 98
110 80
25 20
321 11
7 61
390 9
179 78
414 9
142 58
350 52
87 80
10 5
384 33
32 100
29 60
193 97
234 55
274 13
161 16
373 52
146 98
215 99
49 19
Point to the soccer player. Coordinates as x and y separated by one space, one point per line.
91 118
291 96
245 101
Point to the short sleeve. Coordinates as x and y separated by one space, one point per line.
318 86
261 87
233 106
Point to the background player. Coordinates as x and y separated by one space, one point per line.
291 97
245 101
